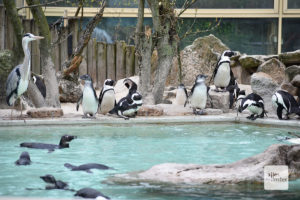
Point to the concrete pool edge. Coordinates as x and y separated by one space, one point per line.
229 118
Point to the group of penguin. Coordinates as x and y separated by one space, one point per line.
24 159
224 79
106 103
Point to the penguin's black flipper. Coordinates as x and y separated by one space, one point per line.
79 102
101 96
211 103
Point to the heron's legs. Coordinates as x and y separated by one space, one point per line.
12 111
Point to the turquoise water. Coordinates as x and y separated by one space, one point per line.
132 148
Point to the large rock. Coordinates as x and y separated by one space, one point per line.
292 71
5 68
241 74
220 100
150 110
274 68
69 91
45 112
200 58
290 88
250 61
296 81
248 171
290 58
263 85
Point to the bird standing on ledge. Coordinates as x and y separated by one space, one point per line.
18 79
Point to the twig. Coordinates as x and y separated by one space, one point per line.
186 5
37 5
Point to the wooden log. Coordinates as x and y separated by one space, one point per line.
120 60
36 54
101 63
2 28
130 60
111 61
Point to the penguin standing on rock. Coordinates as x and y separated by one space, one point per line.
129 105
88 98
198 95
39 82
285 103
222 74
255 104
181 95
107 99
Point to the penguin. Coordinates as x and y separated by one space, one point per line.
107 99
129 105
255 104
24 159
234 90
39 82
88 98
181 95
198 95
53 183
285 104
240 97
222 74
91 194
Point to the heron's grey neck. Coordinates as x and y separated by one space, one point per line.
26 62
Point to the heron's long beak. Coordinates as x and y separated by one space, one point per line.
38 37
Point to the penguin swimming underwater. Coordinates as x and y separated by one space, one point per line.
107 99
91 194
198 95
255 104
285 103
129 105
222 74
54 184
88 98
181 95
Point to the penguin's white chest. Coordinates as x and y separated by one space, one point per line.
23 85
222 77
89 102
108 102
180 97
199 97
255 109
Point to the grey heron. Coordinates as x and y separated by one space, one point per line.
18 79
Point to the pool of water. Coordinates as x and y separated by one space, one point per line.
131 148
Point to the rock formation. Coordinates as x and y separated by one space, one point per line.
248 171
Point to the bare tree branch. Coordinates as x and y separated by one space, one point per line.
76 59
187 4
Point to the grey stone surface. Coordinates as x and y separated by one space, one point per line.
290 88
296 81
263 85
150 110
274 68
250 61
220 100
292 71
200 58
69 91
290 58
248 171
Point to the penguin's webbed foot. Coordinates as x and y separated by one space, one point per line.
251 117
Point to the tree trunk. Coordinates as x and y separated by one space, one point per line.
76 59
164 24
12 13
48 69
143 46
